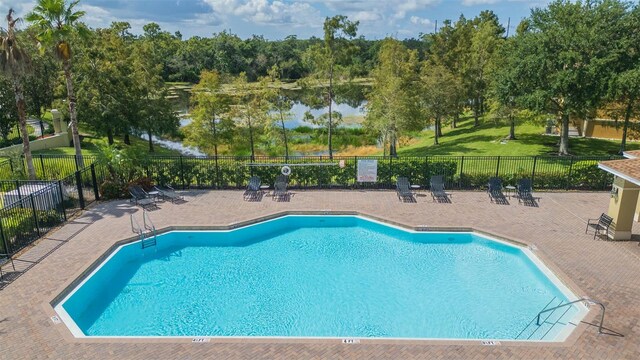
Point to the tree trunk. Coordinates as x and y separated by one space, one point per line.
564 135
253 154
22 118
393 140
330 114
73 116
454 123
110 136
627 116
126 139
437 125
150 135
512 128
439 129
215 136
476 121
284 134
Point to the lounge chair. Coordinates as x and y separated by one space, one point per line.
168 193
403 190
436 187
600 225
524 192
253 189
280 191
495 191
141 197
5 259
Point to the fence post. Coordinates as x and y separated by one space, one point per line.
79 186
426 171
461 167
94 181
182 173
11 164
498 167
44 173
4 239
533 172
75 158
35 216
217 186
64 209
569 174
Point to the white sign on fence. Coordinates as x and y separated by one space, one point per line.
367 170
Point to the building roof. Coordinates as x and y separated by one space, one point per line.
628 169
633 154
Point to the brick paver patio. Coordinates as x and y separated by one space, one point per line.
604 270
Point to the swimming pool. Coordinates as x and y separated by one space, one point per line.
321 276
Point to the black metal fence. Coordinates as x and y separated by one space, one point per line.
6 168
42 206
461 172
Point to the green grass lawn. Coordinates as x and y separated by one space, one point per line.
486 140
90 147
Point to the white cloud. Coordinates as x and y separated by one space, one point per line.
420 21
266 12
364 16
478 2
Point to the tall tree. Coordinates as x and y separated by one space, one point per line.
562 57
393 102
211 124
8 110
484 43
331 58
624 86
250 108
14 63
439 89
279 104
57 22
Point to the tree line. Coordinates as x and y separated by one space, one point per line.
565 60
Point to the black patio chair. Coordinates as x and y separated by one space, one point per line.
600 225
436 187
495 191
5 259
253 189
141 197
403 190
168 193
280 192
524 192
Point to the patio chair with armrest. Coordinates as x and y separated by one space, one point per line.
141 197
5 259
495 191
600 225
168 193
253 189
403 190
436 187
280 191
524 192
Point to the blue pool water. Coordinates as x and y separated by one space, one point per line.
318 276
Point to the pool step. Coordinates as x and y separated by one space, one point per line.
548 321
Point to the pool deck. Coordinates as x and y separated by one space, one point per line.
603 270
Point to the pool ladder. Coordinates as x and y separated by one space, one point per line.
536 323
146 233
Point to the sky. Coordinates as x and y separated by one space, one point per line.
276 19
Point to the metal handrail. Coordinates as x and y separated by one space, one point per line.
135 225
587 300
145 219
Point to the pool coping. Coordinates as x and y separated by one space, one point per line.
92 265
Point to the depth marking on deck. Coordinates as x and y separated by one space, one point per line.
200 340
351 341
490 343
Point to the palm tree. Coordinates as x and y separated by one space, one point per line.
14 63
56 22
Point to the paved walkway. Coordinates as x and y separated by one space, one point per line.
604 270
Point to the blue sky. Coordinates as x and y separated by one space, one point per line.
275 19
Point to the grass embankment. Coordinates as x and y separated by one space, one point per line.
486 139
90 146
